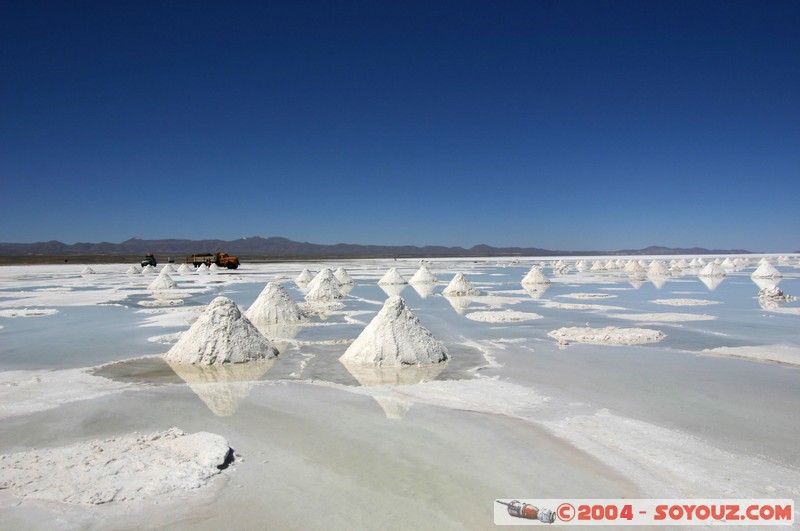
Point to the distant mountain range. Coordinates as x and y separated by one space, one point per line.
276 247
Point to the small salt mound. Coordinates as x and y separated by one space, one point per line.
343 276
581 265
185 268
423 276
221 335
134 270
597 265
712 270
120 469
395 337
163 281
460 286
764 260
728 264
607 336
535 276
202 268
633 267
213 267
304 277
274 306
326 275
168 269
391 278
327 289
658 269
87 271
611 265
148 270
766 270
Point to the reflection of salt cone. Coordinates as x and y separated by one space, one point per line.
423 290
658 282
372 375
393 289
711 283
393 407
536 290
459 304
222 387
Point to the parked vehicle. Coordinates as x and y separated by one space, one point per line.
221 259
149 259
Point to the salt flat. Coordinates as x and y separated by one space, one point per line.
701 413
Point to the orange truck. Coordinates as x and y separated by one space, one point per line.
221 259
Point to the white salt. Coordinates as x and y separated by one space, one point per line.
163 281
535 276
87 271
324 276
392 277
304 277
274 306
712 270
395 337
423 276
327 288
221 335
460 286
134 270
766 270
343 276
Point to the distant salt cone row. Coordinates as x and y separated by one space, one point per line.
274 306
423 276
395 337
392 278
712 270
460 286
221 335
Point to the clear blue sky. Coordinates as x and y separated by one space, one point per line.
556 124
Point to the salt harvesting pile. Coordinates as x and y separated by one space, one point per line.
392 278
168 269
221 335
393 338
324 288
87 271
124 468
766 270
712 270
633 267
134 270
343 277
202 268
610 335
274 306
423 276
535 276
148 270
186 268
460 286
162 282
214 268
658 269
326 275
304 277
598 265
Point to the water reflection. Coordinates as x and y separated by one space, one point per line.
460 304
535 291
222 387
392 289
711 283
424 290
766 283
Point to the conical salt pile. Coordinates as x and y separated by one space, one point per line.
274 306
148 270
460 286
221 335
185 268
213 267
634 267
163 281
535 276
202 268
392 277
326 275
423 276
87 271
712 270
658 269
327 289
134 270
343 276
728 264
766 270
395 337
168 269
304 277
597 265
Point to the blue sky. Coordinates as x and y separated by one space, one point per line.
555 124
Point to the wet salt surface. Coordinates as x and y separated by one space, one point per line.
508 387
